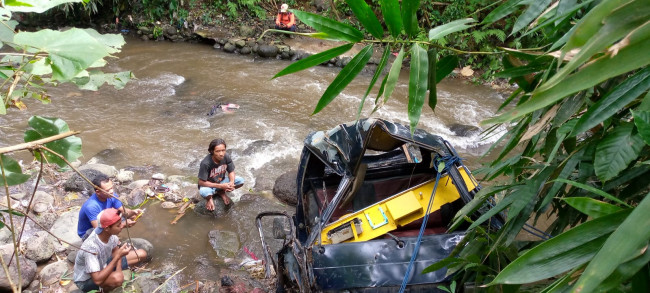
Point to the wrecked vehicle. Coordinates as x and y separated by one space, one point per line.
364 191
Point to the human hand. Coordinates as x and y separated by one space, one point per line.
130 223
124 249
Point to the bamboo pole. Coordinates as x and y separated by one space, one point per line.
33 144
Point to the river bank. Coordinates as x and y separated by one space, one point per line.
49 241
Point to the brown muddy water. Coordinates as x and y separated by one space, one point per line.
160 120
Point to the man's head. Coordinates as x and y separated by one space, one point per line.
217 149
110 220
284 7
106 184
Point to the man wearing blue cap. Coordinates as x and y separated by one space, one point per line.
101 259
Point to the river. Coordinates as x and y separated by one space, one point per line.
160 120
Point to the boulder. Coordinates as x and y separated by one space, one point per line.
245 51
27 269
141 243
45 220
124 176
168 205
65 227
42 201
40 247
229 47
5 236
267 51
246 31
240 43
285 188
464 130
18 195
225 243
52 273
220 209
78 184
145 282
107 170
136 197
256 147
137 184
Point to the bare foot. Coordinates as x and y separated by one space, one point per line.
209 205
226 199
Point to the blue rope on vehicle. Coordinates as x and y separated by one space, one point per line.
448 161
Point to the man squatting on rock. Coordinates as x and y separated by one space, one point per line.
101 259
212 174
99 201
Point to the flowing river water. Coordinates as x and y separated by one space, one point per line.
160 119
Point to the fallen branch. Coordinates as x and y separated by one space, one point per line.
35 144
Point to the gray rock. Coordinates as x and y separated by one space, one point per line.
321 5
107 170
5 236
220 209
285 55
46 219
158 176
230 48
72 256
137 184
285 188
464 130
18 195
141 243
225 243
42 201
240 43
146 282
246 31
256 147
267 51
168 205
170 31
65 227
39 247
51 273
124 176
78 184
27 269
136 197
245 51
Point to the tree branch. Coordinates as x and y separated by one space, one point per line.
33 144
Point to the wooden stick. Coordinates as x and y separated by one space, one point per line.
177 218
182 209
33 144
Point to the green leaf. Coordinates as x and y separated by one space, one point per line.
334 29
578 246
628 239
624 272
314 60
592 190
367 17
38 6
12 171
642 122
614 101
7 29
615 152
409 17
534 10
393 75
418 78
69 147
70 52
96 79
629 18
433 93
392 16
445 66
628 58
378 71
502 11
347 74
591 207
448 28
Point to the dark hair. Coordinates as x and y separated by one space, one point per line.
99 179
214 143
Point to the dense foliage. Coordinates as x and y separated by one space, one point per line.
577 153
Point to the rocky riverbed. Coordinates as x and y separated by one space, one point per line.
49 242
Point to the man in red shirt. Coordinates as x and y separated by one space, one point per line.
285 19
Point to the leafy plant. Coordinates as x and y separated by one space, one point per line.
578 145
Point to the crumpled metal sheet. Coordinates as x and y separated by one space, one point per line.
381 263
